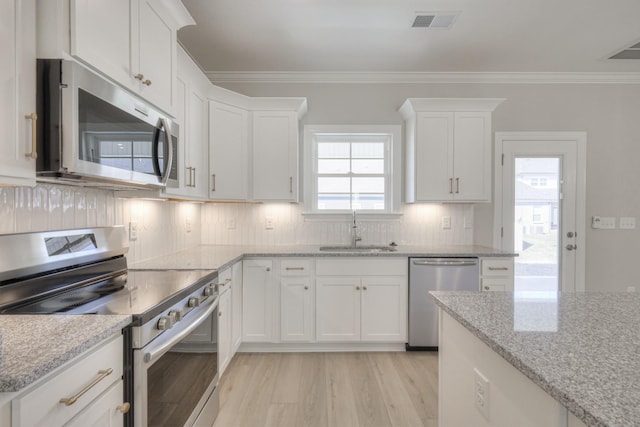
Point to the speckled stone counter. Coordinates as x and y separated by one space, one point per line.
582 349
221 256
33 345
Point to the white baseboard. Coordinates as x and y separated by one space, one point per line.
249 347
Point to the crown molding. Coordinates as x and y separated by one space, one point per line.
424 77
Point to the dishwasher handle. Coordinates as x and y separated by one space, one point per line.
452 263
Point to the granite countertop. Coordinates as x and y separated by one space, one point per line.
222 256
34 345
583 349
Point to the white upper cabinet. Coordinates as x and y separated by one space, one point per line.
448 149
132 42
18 92
191 113
275 148
228 152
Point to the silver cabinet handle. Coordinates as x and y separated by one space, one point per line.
188 168
445 263
294 268
498 268
486 288
102 374
450 185
193 171
268 269
147 82
139 77
290 184
213 182
364 288
357 288
34 140
457 185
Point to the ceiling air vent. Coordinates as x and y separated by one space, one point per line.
632 52
441 20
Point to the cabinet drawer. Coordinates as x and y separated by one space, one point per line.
497 284
42 406
374 266
497 267
295 267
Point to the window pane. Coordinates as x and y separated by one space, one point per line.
333 185
333 150
142 148
334 201
367 166
368 201
367 150
115 148
368 185
333 166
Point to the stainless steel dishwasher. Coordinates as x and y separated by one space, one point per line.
435 274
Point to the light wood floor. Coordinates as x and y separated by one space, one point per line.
330 390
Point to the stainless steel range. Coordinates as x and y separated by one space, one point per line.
171 372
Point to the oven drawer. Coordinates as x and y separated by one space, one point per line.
42 406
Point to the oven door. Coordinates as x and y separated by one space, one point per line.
176 375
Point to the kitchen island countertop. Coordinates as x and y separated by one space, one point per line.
221 256
583 349
34 345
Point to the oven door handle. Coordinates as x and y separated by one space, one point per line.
162 344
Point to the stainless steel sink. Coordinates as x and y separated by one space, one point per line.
366 249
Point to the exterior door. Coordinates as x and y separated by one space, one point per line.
540 209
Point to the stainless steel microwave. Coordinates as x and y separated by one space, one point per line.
92 132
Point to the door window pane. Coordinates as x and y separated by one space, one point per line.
536 234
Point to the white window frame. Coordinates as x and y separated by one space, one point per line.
394 181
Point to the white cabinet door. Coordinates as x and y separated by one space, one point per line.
17 91
296 309
228 155
156 54
101 33
434 160
338 309
275 156
224 330
105 411
196 150
472 156
384 314
236 309
257 302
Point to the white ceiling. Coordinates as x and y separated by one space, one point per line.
522 36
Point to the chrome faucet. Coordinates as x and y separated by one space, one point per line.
354 231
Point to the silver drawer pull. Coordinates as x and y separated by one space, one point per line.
102 375
294 268
498 268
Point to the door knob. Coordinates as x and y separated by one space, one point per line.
571 234
571 247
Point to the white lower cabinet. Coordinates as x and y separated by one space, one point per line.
236 307
361 300
100 371
257 300
224 330
297 301
496 274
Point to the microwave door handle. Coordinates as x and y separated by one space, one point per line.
155 153
168 152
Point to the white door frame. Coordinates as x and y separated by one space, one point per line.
581 177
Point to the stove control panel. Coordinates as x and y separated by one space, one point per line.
164 323
176 315
193 302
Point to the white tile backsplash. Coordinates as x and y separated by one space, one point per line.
163 226
418 225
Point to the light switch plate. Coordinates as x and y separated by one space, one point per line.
268 223
446 222
133 231
603 222
627 222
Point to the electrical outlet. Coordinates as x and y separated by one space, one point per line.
133 231
628 223
481 393
268 223
188 224
231 224
446 222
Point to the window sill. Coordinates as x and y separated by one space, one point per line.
348 216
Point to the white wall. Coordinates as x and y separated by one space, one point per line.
608 113
161 225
